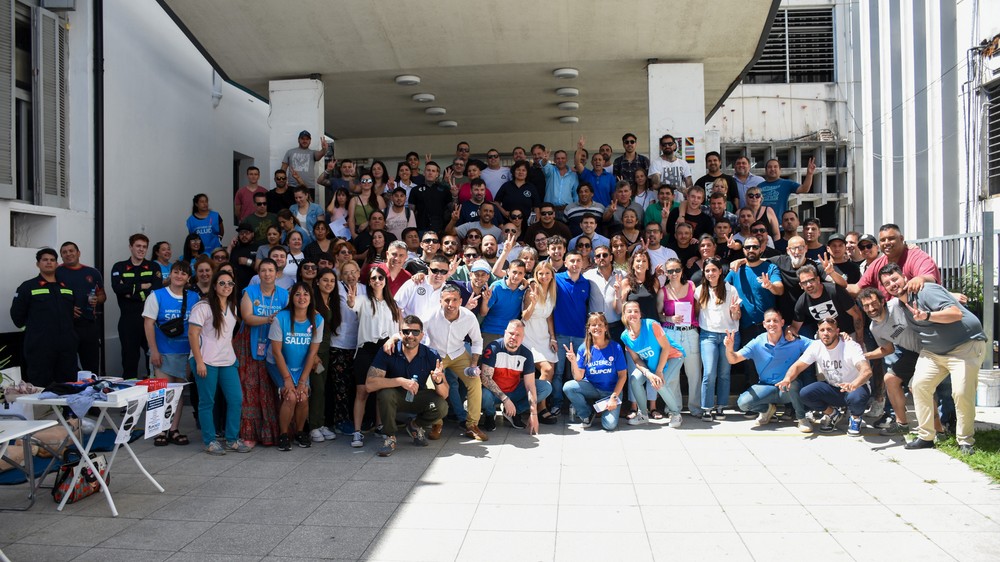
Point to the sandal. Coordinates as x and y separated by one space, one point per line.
160 440
555 411
656 415
177 438
546 417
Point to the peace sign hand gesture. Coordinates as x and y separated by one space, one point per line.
827 262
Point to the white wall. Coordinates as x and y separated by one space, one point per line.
164 139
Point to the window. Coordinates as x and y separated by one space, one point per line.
993 138
799 49
33 158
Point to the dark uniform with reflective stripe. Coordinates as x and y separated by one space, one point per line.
126 279
44 311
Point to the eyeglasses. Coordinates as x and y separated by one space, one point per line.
547 213
629 141
673 271
866 246
429 241
584 246
758 230
509 230
751 247
309 267
410 332
225 284
754 195
377 278
260 203
515 217
493 156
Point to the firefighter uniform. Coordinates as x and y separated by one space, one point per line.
44 310
126 279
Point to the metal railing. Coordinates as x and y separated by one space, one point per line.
968 264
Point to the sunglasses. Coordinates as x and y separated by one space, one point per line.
547 213
463 149
473 236
509 230
493 156
366 180
866 246
377 278
260 203
309 267
439 271
751 247
584 246
280 178
226 284
429 241
599 256
515 217
667 143
473 256
754 196
673 271
630 141
758 230
410 332
450 243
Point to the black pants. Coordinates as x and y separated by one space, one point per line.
132 337
88 346
49 361
426 404
748 333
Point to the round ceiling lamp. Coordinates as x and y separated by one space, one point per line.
569 119
447 124
423 98
565 73
567 92
435 111
568 106
407 80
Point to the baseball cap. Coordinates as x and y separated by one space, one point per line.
868 238
305 134
481 265
836 236
244 226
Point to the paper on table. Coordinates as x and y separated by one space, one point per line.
684 309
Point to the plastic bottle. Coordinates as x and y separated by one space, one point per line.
409 395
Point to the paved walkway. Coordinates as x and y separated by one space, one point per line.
703 492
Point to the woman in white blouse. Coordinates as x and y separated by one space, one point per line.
718 312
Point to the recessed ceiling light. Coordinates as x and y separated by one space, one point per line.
569 106
435 111
423 98
565 73
567 92
407 80
447 123
569 119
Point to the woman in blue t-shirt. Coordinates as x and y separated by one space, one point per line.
206 223
598 374
657 359
295 337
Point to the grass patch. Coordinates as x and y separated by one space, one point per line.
987 456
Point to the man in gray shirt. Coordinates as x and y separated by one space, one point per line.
952 341
300 162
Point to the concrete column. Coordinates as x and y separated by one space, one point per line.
677 107
296 105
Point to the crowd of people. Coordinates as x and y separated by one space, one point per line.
540 289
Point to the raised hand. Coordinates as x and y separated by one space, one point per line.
582 143
827 262
473 302
427 157
734 306
765 282
570 354
730 339
811 167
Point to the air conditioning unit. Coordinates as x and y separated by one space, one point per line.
59 5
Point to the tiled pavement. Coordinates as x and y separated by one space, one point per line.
706 491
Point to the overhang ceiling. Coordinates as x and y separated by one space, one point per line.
488 63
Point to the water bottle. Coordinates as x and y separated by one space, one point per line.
92 297
409 395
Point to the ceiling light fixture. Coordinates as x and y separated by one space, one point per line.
569 119
407 80
567 92
423 98
568 106
447 123
565 73
435 111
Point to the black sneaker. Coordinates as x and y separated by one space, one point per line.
515 421
417 433
303 440
284 443
489 422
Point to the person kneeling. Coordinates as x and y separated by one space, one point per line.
401 380
846 370
508 374
598 374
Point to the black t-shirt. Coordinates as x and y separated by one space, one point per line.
431 204
278 201
702 223
790 279
684 254
732 194
849 270
834 302
522 198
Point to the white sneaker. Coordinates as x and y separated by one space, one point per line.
765 417
316 436
639 419
359 440
675 420
328 434
877 409
804 425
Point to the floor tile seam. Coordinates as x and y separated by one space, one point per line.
291 530
176 548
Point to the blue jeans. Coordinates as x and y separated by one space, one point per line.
759 396
228 378
637 381
688 339
716 368
455 400
519 396
582 394
820 395
560 368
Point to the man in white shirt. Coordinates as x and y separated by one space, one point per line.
658 254
446 331
668 168
846 373
422 299
494 175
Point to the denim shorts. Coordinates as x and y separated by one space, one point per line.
174 365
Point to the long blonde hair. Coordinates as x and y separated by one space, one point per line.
550 294
588 340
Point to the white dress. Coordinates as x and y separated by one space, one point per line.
536 332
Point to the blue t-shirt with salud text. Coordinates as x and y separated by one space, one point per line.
263 306
295 338
646 346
